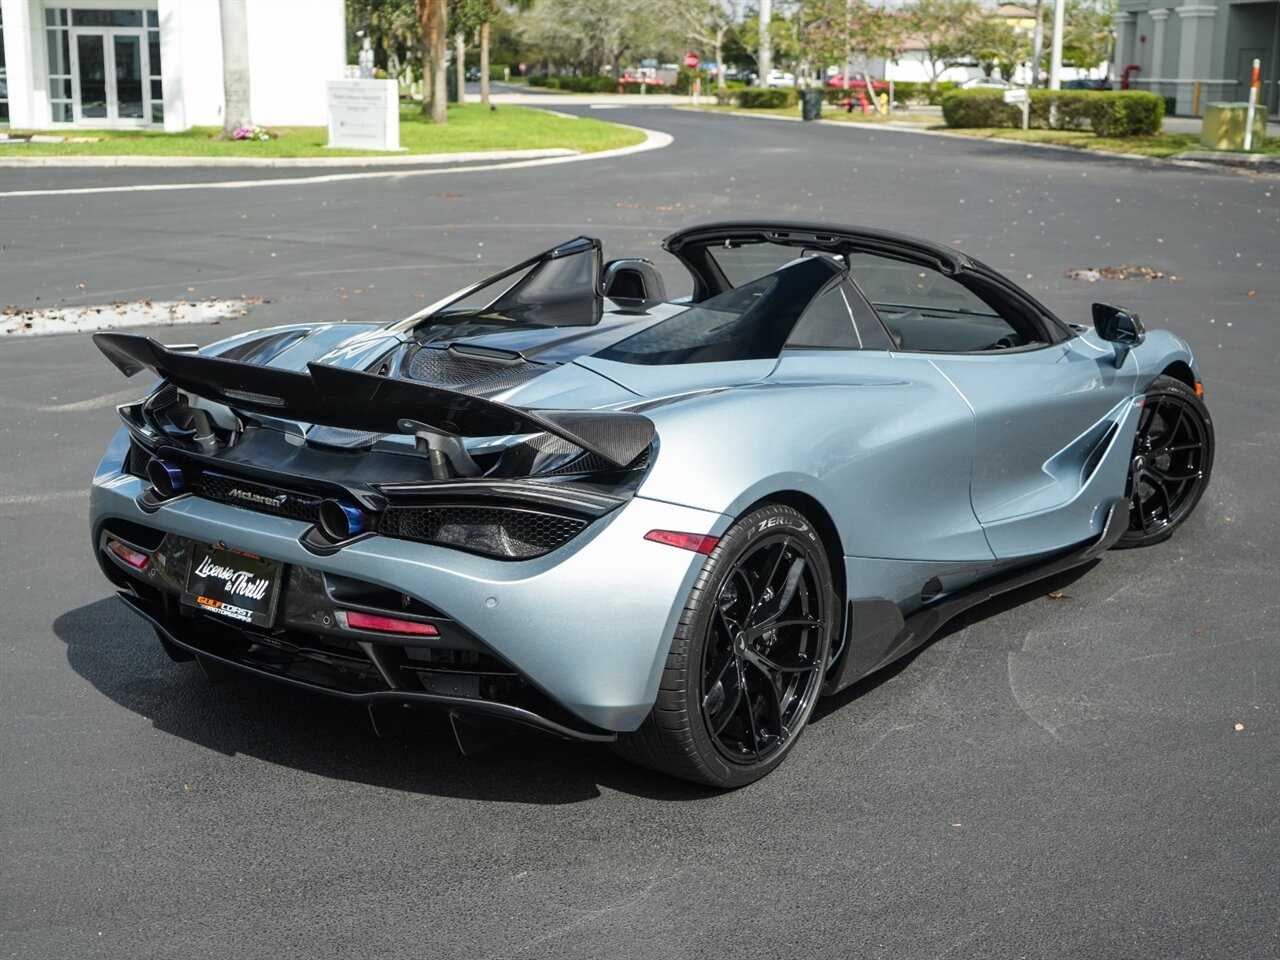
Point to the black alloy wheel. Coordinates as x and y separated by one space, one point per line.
760 667
1171 464
747 661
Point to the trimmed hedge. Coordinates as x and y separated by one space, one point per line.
1108 113
575 84
760 98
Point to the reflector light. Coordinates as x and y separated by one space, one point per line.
369 621
697 542
1199 389
130 556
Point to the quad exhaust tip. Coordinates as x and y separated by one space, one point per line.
166 478
341 521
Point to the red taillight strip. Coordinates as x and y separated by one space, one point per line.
133 558
368 621
697 542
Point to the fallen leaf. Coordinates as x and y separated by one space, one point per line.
1253 293
1055 594
1239 727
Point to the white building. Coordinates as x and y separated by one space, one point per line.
158 63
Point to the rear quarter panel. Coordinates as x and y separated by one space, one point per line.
884 443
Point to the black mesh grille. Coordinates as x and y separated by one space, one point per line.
494 531
136 462
470 374
261 497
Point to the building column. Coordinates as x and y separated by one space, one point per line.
1158 18
1195 54
1125 36
22 33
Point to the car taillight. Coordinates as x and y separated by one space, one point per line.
130 556
697 542
368 621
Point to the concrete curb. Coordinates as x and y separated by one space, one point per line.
653 140
1176 161
375 160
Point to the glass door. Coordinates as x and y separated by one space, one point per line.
91 77
110 72
130 74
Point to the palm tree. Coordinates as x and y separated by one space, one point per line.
433 19
235 66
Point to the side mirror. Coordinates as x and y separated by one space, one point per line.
1122 329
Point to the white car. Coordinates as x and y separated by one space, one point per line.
780 78
992 83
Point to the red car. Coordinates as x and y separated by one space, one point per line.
857 81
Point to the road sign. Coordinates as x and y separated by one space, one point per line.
1017 95
691 61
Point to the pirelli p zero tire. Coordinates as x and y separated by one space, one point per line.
748 657
1172 461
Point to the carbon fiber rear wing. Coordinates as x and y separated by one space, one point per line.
338 397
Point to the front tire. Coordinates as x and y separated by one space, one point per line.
1172 461
748 657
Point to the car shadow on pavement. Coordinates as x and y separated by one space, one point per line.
991 608
118 654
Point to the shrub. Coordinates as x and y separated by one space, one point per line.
979 108
1128 113
760 98
1122 113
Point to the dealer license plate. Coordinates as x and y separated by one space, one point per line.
237 586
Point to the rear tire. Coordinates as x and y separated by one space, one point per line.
1171 463
747 659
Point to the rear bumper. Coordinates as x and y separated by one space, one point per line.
211 654
588 626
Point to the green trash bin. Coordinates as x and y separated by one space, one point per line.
811 103
451 85
1224 123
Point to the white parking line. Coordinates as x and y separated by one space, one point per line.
654 140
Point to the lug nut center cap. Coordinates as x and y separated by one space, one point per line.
740 643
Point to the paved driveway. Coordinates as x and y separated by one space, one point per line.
1049 778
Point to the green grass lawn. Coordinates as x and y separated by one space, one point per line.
470 127
1160 145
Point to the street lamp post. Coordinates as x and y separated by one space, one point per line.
1055 59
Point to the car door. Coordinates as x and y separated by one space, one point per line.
1053 413
1054 428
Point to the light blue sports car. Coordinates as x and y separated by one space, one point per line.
561 499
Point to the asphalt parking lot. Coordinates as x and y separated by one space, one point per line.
1095 775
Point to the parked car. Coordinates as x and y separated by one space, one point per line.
1084 83
780 78
856 80
642 76
563 500
980 83
473 74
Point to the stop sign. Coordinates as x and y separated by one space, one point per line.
691 61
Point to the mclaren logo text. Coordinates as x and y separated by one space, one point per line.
248 496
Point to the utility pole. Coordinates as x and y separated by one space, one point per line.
764 59
1037 44
1055 59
